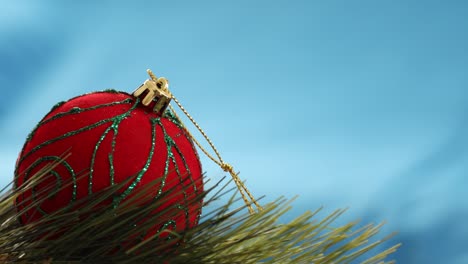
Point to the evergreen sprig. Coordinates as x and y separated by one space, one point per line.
94 232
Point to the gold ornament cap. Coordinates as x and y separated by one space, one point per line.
157 91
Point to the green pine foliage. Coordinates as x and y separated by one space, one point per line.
93 232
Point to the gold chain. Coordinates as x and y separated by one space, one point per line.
246 195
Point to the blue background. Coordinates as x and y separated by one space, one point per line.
359 104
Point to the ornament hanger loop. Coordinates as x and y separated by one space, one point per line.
161 82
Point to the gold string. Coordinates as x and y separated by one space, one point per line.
223 165
219 161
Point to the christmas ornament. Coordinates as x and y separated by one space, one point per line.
112 137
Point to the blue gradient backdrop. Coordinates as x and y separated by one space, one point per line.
359 104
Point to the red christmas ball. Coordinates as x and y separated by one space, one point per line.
112 138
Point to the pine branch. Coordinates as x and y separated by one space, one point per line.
94 232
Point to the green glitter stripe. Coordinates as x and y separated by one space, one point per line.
57 176
170 143
72 133
189 173
186 211
184 188
74 110
57 105
172 117
179 175
93 159
111 155
57 186
115 127
167 162
171 223
78 110
140 174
